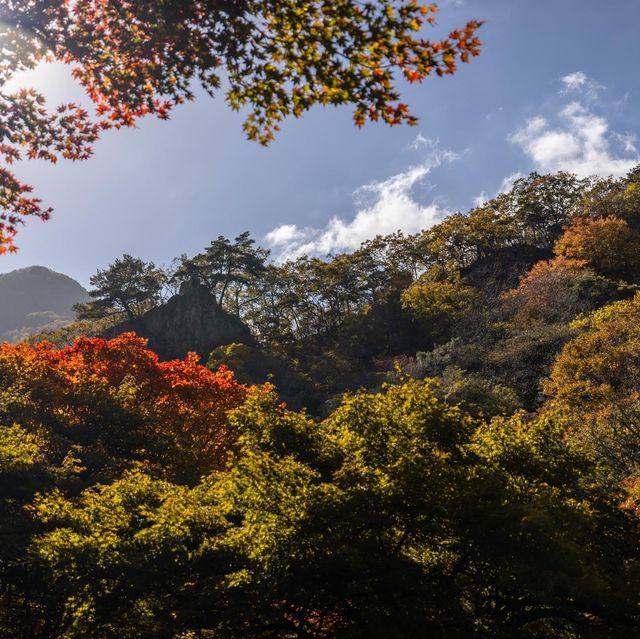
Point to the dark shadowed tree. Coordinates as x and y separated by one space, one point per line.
226 268
129 286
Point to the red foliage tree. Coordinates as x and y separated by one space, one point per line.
556 291
108 401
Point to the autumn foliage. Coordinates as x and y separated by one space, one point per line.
608 244
108 402
481 483
556 291
278 58
595 384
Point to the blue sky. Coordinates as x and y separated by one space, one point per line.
556 87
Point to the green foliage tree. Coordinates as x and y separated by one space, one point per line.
253 365
438 299
541 205
23 472
336 319
127 287
225 268
462 239
532 213
476 394
396 516
618 197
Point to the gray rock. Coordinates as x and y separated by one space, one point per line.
189 321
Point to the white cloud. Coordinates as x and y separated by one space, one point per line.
505 186
384 207
419 141
507 183
479 200
580 82
283 235
574 81
579 140
628 142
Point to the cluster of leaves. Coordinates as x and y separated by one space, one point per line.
88 413
555 291
102 405
438 299
136 58
595 384
608 244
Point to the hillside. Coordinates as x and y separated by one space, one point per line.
34 298
448 444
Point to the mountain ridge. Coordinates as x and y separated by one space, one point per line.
35 298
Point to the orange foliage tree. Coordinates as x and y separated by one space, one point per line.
104 404
556 291
608 244
278 58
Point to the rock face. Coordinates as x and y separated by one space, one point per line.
505 266
35 298
189 321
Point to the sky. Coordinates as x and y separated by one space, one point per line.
555 88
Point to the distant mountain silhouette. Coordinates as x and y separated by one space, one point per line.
35 298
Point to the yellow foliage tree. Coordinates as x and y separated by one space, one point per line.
595 384
438 299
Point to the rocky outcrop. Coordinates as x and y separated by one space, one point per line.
504 267
189 321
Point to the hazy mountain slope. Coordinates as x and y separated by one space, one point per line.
34 298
